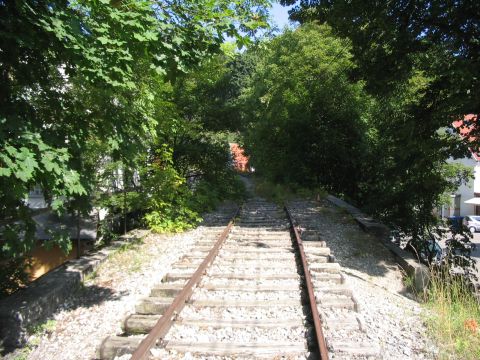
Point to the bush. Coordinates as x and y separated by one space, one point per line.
280 193
13 275
454 317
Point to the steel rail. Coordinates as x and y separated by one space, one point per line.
322 346
166 321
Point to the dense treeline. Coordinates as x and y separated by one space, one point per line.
420 62
128 105
309 122
93 110
360 99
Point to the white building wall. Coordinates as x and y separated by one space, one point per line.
476 181
35 199
466 191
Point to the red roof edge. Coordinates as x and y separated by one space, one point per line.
465 127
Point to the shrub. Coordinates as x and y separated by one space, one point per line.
454 316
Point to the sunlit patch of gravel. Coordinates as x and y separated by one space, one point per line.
262 255
239 335
202 294
96 311
244 313
290 263
254 268
396 321
251 284
355 250
390 315
158 353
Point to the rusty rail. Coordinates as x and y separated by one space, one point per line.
166 321
322 346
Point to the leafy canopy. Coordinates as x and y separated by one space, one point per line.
306 113
77 88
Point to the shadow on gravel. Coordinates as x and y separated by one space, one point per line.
360 254
91 295
84 297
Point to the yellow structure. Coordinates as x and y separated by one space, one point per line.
43 260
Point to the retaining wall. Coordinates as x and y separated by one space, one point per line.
36 303
418 271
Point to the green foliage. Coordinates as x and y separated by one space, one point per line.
381 134
27 160
459 249
182 170
406 164
82 85
210 94
185 178
390 37
168 209
36 333
105 41
45 327
454 316
308 121
12 274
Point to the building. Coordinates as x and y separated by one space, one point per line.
466 200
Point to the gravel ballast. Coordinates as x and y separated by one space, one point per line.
391 317
390 314
98 308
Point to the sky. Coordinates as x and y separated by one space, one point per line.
278 17
279 14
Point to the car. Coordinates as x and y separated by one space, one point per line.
423 250
455 223
436 249
472 222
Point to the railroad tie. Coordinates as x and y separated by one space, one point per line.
340 312
243 291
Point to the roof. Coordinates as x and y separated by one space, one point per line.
48 221
465 127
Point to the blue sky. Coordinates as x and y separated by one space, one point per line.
279 14
278 17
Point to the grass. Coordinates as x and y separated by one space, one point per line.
43 328
409 282
36 333
23 353
273 192
128 258
454 317
90 276
280 193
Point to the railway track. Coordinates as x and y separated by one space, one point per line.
252 289
342 322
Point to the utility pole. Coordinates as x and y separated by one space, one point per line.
78 234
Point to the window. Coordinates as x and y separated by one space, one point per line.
456 211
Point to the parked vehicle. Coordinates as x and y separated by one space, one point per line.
423 252
436 249
455 222
472 222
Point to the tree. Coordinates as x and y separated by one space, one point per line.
184 168
388 38
420 64
308 117
75 77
